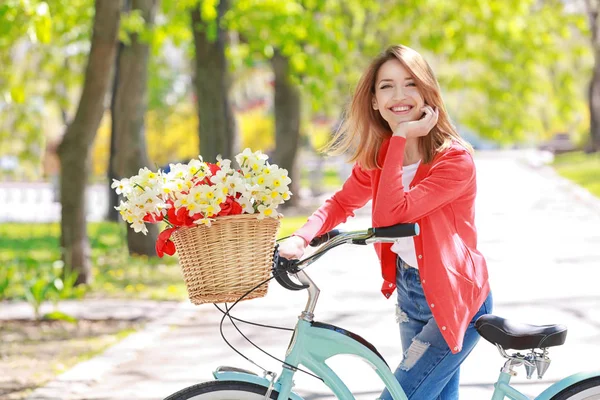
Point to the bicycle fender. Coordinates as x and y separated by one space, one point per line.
564 383
250 378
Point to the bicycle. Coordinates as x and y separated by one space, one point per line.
313 342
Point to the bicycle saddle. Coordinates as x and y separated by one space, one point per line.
517 336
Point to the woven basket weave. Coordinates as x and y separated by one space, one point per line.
222 262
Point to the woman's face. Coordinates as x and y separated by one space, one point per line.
396 95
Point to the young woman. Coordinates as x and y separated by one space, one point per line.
413 165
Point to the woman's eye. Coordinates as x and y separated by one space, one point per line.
385 86
411 84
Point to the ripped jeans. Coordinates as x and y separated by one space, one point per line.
429 370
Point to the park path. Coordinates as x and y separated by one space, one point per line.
540 235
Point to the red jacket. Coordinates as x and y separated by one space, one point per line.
441 199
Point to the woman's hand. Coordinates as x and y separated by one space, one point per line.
421 127
292 248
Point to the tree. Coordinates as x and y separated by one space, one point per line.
128 113
504 64
217 128
593 13
111 173
75 146
42 58
287 121
307 45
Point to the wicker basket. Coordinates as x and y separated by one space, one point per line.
222 262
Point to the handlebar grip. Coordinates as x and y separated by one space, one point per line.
319 240
399 230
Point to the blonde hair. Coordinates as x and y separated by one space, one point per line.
363 129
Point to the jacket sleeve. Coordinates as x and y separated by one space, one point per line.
450 176
354 194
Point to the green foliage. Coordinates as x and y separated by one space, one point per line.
6 277
310 34
64 284
510 69
43 46
59 316
132 22
37 291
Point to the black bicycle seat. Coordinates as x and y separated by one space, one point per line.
517 336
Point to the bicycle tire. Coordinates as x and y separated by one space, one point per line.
588 389
223 390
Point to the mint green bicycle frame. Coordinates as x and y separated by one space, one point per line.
311 346
313 343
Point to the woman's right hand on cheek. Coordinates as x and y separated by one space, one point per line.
292 248
420 127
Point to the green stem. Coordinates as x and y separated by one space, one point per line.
167 221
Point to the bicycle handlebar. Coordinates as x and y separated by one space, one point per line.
394 231
397 231
319 240
282 267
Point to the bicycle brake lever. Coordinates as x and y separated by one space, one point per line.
281 267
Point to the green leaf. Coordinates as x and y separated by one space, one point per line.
59 316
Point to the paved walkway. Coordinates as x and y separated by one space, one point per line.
539 233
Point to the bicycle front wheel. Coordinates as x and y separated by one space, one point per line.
223 390
584 390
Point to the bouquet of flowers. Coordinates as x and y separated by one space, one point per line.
197 193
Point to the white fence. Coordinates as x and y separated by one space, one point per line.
39 202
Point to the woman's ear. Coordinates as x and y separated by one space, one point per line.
374 104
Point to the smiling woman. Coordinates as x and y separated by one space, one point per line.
414 166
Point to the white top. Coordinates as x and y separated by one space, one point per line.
405 247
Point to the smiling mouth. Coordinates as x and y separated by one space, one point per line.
401 109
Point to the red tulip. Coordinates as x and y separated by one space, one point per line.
230 207
163 243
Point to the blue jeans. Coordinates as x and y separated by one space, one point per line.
429 370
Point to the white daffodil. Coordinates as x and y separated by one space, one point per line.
139 226
235 183
219 178
204 221
168 188
246 204
207 193
243 157
177 171
194 166
265 211
210 209
224 164
121 186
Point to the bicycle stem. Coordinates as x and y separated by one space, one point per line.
313 296
313 290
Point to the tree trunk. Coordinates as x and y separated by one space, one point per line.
594 104
593 12
287 123
217 127
75 147
113 197
130 103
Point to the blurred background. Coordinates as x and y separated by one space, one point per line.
91 91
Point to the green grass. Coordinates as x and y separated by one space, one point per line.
581 168
32 250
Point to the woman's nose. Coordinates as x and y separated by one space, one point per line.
399 93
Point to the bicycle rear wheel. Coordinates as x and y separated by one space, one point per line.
584 390
223 390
